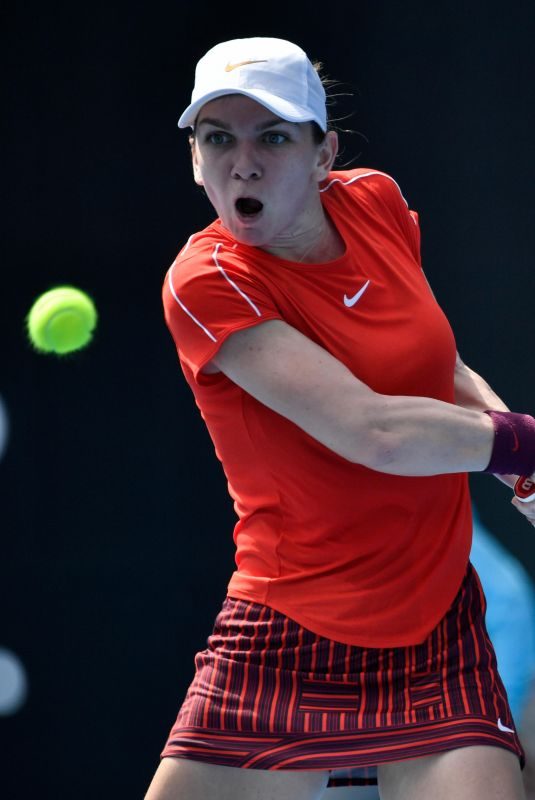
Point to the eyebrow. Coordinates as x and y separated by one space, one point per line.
262 126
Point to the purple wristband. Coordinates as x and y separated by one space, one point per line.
513 452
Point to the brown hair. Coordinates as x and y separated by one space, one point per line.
333 123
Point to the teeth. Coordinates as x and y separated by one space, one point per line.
248 205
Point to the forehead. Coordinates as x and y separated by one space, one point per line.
237 108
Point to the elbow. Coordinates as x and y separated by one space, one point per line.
374 445
385 454
380 453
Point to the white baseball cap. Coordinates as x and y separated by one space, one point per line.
274 72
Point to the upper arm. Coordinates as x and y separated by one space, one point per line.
298 379
209 294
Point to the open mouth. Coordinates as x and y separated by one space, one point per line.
248 206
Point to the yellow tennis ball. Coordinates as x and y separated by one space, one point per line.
61 320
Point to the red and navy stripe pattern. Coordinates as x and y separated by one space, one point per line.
269 694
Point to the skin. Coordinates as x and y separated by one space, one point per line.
469 773
240 149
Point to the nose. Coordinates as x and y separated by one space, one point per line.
246 165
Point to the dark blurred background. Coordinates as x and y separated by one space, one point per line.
117 529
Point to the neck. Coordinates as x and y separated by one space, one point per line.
314 242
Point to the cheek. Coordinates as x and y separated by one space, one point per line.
205 170
215 190
296 185
203 174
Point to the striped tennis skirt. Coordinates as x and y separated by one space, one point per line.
269 694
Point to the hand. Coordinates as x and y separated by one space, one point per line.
526 509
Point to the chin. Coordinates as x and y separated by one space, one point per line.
252 239
248 236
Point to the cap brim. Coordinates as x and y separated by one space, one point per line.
282 108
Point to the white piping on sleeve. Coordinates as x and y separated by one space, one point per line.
187 244
364 175
231 282
183 307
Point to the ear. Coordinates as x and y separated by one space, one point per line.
327 152
197 175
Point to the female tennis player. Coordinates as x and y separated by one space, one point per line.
351 647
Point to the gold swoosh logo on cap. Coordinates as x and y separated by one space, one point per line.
230 66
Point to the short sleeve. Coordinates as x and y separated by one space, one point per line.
407 219
209 293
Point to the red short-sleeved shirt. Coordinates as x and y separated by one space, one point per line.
352 554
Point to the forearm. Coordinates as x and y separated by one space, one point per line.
398 435
472 391
421 436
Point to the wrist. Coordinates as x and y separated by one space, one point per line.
513 451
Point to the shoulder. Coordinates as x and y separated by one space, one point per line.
205 257
213 287
199 252
373 189
363 181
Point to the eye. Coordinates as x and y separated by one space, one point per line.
272 137
218 137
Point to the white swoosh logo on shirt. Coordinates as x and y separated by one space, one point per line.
503 727
349 302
